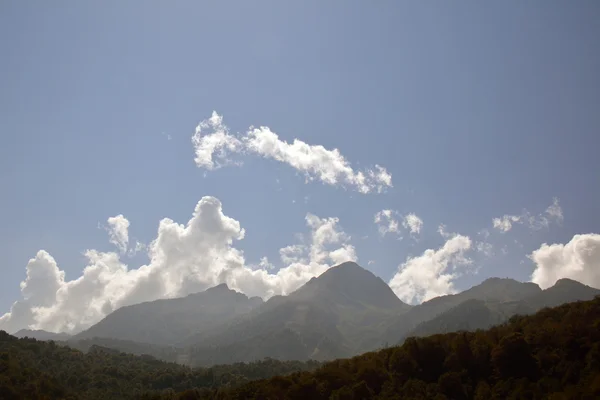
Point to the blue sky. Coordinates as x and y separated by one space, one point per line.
476 110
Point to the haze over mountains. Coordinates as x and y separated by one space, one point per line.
171 321
41 335
344 312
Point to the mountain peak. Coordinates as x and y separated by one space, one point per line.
346 270
502 289
569 282
349 282
348 265
219 287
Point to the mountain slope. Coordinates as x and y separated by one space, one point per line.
469 315
339 313
169 321
479 314
563 291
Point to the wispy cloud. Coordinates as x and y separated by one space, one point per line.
535 222
390 221
215 146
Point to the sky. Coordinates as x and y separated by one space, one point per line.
152 151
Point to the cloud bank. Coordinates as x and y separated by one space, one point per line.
215 147
183 259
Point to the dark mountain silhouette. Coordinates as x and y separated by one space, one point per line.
169 321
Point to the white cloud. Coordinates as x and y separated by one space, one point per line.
535 222
212 143
387 222
505 223
118 232
183 258
432 273
412 223
579 259
314 161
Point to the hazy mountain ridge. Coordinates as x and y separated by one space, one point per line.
170 321
344 312
479 314
41 335
490 290
331 316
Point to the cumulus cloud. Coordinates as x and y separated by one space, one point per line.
432 273
579 260
118 232
214 147
389 221
183 258
535 222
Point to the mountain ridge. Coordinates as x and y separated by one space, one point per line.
40 334
345 311
169 321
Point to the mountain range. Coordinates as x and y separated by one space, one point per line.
344 312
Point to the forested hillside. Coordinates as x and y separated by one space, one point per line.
554 354
31 369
